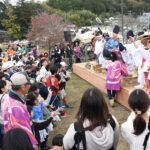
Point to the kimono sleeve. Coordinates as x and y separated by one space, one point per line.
124 70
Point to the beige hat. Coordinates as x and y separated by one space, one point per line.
19 78
146 34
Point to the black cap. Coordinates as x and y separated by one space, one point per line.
116 29
140 33
130 33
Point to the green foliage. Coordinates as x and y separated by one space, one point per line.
2 14
101 6
11 27
96 6
2 10
23 12
16 19
82 17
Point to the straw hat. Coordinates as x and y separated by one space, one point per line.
146 34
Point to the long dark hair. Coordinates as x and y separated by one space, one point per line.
94 108
17 139
139 102
113 56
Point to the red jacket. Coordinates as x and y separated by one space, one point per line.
52 81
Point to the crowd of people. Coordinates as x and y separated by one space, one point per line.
33 96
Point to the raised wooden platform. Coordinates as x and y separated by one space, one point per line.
98 80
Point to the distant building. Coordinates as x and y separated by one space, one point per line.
144 21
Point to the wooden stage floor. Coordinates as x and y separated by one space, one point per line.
98 80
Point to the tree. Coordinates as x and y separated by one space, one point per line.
82 17
6 3
23 12
2 10
46 28
8 23
37 8
2 14
11 27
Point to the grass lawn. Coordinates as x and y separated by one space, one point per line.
75 88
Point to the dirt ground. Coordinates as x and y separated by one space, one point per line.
75 88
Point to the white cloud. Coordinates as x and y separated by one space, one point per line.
14 1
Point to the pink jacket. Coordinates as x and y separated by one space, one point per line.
113 76
16 115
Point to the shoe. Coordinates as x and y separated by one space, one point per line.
64 115
67 106
140 86
111 102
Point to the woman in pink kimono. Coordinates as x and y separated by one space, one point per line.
77 51
115 69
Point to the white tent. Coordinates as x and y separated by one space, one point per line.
84 38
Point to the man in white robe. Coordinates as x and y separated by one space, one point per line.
99 46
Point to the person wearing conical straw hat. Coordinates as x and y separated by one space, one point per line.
147 72
140 59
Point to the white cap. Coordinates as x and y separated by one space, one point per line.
19 64
63 64
19 79
7 65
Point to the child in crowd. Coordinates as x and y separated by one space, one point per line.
136 129
40 130
53 84
57 142
41 80
43 63
63 77
37 104
115 69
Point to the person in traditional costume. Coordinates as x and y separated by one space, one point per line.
115 69
131 55
147 73
139 57
77 51
93 41
146 62
99 46
113 45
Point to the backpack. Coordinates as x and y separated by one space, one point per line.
147 136
80 134
1 100
109 46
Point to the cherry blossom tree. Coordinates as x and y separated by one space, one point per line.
46 28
